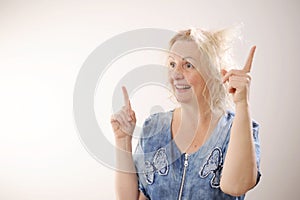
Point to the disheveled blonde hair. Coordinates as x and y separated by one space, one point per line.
216 54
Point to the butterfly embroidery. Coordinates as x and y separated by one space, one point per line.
159 164
213 166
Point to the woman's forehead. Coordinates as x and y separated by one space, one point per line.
185 49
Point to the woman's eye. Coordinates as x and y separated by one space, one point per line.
189 65
172 64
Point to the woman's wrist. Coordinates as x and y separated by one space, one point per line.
242 105
124 143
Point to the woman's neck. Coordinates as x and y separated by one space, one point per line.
196 113
192 126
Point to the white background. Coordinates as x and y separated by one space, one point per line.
43 45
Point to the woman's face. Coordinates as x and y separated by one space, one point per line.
185 71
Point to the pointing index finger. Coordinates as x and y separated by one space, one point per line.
126 97
248 64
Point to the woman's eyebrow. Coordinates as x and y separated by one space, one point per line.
189 57
171 57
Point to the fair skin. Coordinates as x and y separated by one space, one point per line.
194 116
192 122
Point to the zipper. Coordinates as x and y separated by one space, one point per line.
185 165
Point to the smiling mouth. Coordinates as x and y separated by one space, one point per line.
182 87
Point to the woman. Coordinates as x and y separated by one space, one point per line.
199 150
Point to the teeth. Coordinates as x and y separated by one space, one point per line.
182 86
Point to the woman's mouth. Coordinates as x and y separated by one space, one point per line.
182 87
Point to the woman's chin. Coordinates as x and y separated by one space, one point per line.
184 99
183 95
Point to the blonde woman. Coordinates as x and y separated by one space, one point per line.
200 150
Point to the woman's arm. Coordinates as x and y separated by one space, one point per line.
126 182
239 172
123 124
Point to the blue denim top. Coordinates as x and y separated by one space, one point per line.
166 173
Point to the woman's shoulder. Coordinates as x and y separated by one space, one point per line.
157 124
159 118
155 131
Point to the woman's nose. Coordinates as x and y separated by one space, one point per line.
178 73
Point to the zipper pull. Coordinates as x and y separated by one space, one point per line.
186 163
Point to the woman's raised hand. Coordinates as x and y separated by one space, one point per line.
123 122
239 80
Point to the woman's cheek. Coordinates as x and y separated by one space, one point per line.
193 79
170 78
